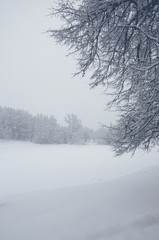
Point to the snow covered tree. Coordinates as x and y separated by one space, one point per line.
119 41
74 128
45 129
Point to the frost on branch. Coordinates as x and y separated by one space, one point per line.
119 42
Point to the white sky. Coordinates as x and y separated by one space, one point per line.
35 74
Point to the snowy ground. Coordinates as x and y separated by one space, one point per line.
121 204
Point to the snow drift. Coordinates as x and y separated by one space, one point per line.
119 208
124 208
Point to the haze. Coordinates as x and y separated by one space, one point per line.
35 73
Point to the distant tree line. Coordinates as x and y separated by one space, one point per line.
23 126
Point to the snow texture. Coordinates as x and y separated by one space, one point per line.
119 208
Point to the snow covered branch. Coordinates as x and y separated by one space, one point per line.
118 41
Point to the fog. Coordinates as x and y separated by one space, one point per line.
42 185
35 73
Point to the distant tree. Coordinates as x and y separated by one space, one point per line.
15 124
2 129
45 129
20 125
119 41
87 134
74 126
101 136
64 135
42 129
53 130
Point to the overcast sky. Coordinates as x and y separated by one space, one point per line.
35 73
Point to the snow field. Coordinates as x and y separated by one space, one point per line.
123 204
29 167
